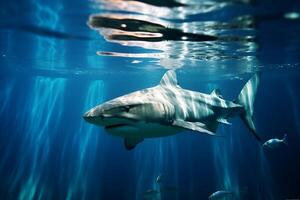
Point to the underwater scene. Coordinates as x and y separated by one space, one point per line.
149 100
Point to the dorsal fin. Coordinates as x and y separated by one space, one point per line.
216 92
169 79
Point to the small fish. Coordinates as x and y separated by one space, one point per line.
275 143
221 194
159 178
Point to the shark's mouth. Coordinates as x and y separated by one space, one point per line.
115 126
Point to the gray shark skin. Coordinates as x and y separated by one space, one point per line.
168 109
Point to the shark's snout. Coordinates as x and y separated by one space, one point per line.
87 118
98 116
91 116
91 119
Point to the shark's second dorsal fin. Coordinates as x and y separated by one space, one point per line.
216 92
169 79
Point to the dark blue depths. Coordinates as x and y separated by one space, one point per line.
48 79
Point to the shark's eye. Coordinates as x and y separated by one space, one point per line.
127 108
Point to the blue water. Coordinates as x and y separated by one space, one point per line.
60 58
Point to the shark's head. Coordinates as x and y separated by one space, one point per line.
111 113
135 113
127 113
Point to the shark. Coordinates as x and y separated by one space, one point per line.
167 109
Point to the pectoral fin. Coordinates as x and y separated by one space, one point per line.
194 126
130 143
223 121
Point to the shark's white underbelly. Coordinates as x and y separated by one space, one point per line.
144 130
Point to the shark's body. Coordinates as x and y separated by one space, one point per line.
167 109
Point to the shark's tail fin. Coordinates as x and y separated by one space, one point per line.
246 99
284 140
